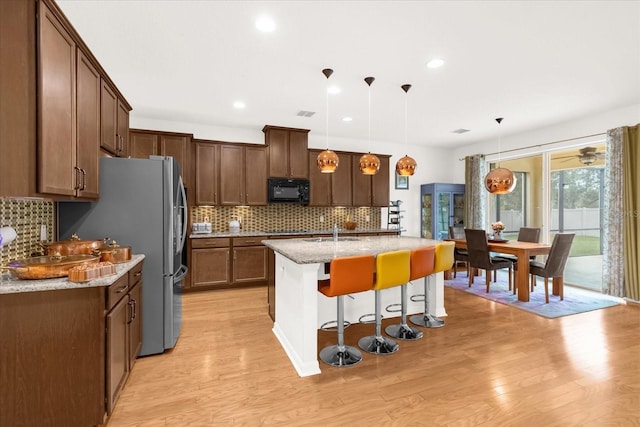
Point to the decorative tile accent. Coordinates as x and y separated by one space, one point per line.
285 217
25 216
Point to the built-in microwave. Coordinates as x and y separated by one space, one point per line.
285 190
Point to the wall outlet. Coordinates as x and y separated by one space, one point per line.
321 218
367 218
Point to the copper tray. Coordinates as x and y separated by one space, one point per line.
48 267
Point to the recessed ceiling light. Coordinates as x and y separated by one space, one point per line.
347 119
239 105
265 24
435 63
333 90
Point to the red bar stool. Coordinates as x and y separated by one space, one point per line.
443 260
421 265
392 269
347 275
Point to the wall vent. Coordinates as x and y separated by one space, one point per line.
303 113
461 130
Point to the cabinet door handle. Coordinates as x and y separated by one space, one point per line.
117 143
84 179
76 170
130 316
138 274
122 289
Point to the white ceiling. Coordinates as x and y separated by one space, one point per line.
536 63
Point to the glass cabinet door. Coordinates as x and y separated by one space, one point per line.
458 209
443 214
426 216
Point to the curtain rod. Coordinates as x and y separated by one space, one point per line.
544 144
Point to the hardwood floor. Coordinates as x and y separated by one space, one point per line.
490 365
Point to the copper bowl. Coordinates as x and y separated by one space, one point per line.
115 253
48 267
350 225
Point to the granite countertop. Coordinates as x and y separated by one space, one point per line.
288 232
12 285
321 250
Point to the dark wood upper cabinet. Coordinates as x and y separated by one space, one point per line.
115 122
380 184
287 152
145 143
88 127
320 183
207 157
243 175
361 183
122 127
57 107
341 184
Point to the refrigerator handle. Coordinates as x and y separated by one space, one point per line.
183 206
180 274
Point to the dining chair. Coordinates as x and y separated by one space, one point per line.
480 256
525 234
459 255
555 263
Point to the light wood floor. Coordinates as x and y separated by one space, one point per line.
490 365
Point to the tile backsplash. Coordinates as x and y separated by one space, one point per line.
285 217
26 216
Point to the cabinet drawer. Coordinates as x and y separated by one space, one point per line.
135 274
248 241
117 290
216 242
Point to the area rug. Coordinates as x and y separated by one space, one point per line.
575 300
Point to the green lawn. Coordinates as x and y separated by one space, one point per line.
582 245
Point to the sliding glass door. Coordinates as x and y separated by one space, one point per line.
559 192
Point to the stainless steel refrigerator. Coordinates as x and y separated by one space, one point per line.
143 205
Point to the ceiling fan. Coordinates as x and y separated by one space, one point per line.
586 156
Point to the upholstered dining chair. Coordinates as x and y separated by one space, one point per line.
480 257
555 263
459 255
525 234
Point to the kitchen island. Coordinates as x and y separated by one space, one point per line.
301 309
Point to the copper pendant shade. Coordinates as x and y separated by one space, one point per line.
327 161
500 180
406 166
369 163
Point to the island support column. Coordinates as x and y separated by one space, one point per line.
435 288
297 313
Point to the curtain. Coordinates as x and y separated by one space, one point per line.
474 192
612 218
630 140
621 212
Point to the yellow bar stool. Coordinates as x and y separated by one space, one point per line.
347 275
421 265
443 260
392 269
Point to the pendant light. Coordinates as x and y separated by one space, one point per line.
369 163
327 160
406 166
500 180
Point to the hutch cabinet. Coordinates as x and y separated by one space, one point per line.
441 205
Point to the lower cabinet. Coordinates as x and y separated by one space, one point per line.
124 331
66 354
221 262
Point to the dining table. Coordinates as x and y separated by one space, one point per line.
522 250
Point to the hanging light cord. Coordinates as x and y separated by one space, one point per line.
369 118
406 113
499 120
327 115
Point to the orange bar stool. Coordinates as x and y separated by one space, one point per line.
392 269
347 275
443 260
421 265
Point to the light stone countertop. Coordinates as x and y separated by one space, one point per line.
341 231
321 250
12 285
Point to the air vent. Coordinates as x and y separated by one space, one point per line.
461 130
303 113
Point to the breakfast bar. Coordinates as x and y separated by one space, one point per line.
301 309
